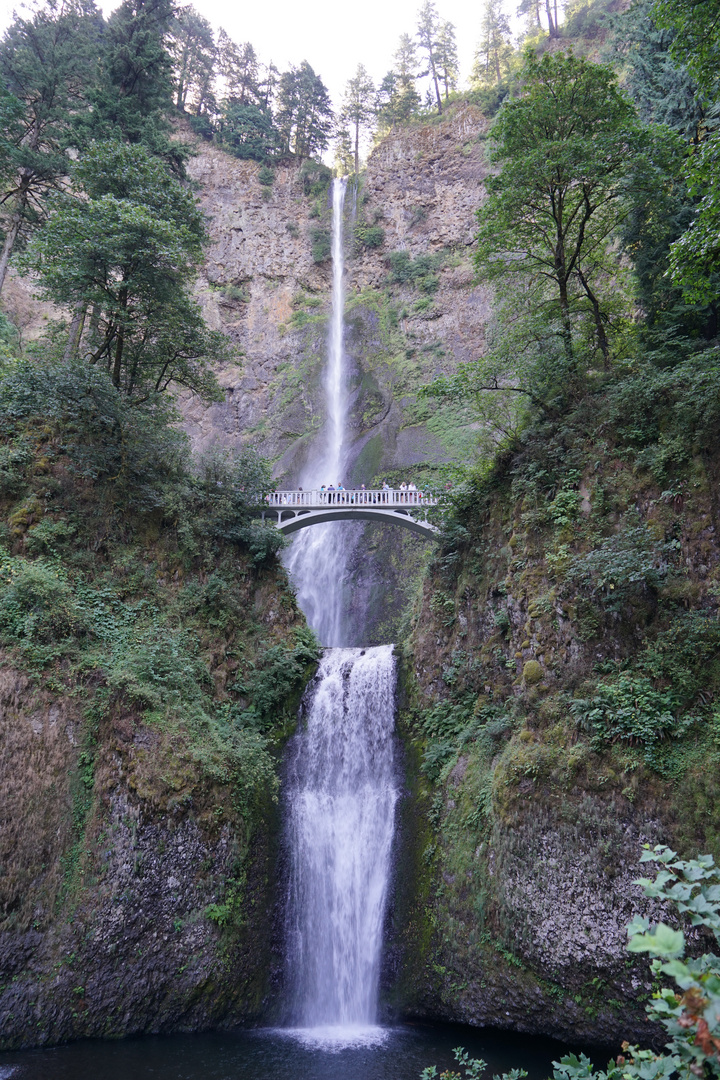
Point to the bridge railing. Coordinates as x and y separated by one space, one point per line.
392 497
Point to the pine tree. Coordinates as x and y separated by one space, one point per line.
240 71
304 113
427 33
192 44
47 64
447 57
358 108
495 46
397 98
133 100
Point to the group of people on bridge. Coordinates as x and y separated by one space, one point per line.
340 495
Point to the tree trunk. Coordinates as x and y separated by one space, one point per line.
497 67
357 147
76 329
436 84
552 29
10 238
117 366
597 317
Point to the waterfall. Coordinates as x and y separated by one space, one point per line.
318 557
340 796
339 793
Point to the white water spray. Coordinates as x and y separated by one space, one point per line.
317 560
341 796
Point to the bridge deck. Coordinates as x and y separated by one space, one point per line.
315 499
298 509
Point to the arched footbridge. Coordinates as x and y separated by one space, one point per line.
294 510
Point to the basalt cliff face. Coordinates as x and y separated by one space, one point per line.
264 290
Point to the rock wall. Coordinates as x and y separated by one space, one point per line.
262 288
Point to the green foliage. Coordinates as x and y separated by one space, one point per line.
321 243
566 149
248 132
473 1069
103 436
128 249
36 603
630 710
418 272
304 114
266 176
628 563
369 236
315 178
690 1015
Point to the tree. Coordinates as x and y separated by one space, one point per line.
666 97
567 149
192 46
358 107
304 112
397 98
240 70
495 47
248 131
127 248
695 256
133 99
46 64
427 34
447 57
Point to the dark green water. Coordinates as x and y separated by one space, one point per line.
400 1053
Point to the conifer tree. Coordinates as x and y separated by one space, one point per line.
428 28
192 45
495 46
397 97
447 57
304 113
47 64
240 70
358 108
133 99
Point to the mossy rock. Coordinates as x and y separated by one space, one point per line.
532 672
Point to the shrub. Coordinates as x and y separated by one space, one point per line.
321 244
631 561
419 272
266 176
630 710
369 236
36 603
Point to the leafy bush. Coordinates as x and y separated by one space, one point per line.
630 710
630 562
419 272
98 430
321 244
14 461
36 603
369 236
315 178
266 176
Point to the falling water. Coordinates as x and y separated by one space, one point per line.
340 793
341 797
318 557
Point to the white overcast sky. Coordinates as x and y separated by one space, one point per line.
334 37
